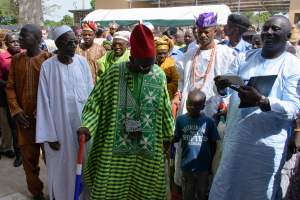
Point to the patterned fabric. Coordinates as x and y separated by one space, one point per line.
206 20
138 105
109 59
169 67
92 54
117 176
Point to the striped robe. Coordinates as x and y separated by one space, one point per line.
114 176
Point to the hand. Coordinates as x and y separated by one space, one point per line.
249 95
22 119
54 145
221 84
85 131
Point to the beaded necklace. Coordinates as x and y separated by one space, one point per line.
196 74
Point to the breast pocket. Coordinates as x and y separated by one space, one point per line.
81 93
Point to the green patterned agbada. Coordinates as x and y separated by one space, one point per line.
119 168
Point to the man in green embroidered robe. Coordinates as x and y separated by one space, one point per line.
129 117
118 54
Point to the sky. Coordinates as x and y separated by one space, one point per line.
65 5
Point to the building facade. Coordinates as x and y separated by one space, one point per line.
294 13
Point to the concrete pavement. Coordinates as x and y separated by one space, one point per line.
13 183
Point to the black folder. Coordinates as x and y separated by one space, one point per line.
263 84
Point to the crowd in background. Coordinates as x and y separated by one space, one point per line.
221 144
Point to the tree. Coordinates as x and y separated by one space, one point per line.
30 11
51 23
8 12
258 18
93 4
67 20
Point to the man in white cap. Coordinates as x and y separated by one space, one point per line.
119 52
21 90
65 84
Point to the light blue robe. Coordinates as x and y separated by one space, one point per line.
63 91
255 141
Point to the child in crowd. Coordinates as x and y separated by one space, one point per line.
198 135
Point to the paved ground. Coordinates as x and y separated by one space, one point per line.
12 181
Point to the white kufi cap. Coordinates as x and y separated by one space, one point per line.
58 31
123 35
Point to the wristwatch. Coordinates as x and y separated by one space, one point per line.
264 104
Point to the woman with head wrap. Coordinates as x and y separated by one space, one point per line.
167 63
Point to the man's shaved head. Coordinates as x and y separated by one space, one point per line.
275 33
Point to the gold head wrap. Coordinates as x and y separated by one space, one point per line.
294 34
164 43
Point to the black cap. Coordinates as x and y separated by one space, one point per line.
239 20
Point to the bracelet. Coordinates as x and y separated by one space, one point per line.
296 129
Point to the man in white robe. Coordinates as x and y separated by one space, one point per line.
201 65
64 86
256 137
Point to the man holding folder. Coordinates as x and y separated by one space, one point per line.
258 121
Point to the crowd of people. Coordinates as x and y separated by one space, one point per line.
194 113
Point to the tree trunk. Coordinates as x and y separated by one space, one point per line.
30 12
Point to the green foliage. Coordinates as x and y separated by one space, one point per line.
258 18
50 23
93 4
67 20
8 20
9 11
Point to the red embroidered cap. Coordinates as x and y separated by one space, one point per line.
142 42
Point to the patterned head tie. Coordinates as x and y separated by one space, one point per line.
89 26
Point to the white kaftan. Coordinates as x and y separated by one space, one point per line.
255 141
63 90
224 56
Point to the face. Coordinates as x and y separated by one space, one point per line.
188 37
67 44
230 30
119 46
88 37
194 106
112 30
44 34
179 38
29 39
13 44
161 55
78 35
274 34
206 36
256 42
142 65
